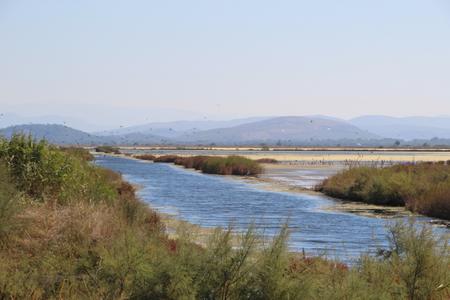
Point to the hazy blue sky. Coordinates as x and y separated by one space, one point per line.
224 58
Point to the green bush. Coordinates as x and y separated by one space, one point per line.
423 188
47 173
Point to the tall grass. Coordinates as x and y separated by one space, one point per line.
9 198
422 188
230 165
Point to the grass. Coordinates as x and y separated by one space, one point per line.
423 188
117 248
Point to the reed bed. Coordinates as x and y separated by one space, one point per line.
230 165
423 187
166 159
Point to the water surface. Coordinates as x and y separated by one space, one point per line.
212 200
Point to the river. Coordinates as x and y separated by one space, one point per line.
213 200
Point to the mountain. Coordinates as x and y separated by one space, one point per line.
284 129
53 133
179 128
63 135
11 119
407 128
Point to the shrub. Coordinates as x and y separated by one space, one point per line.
107 149
78 152
166 159
192 162
267 161
231 165
423 188
46 173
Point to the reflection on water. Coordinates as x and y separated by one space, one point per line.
211 200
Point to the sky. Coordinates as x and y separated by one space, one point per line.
129 62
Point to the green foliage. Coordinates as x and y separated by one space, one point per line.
9 198
78 152
47 173
423 188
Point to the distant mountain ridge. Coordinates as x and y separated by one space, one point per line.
407 128
291 130
53 133
287 129
64 135
178 128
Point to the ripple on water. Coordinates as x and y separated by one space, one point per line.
211 201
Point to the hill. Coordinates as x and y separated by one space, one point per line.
54 133
284 129
63 135
408 128
178 128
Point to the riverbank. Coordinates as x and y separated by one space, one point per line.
421 187
100 241
297 177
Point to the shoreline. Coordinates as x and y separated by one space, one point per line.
277 149
339 205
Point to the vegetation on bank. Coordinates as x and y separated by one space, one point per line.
145 157
107 149
267 161
423 187
100 242
230 165
166 159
